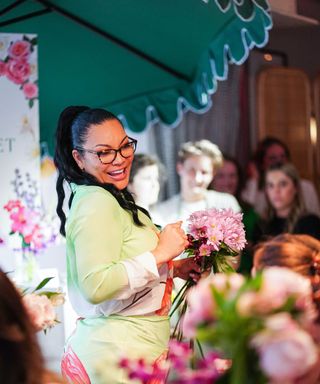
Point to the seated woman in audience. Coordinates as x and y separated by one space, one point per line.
21 361
271 151
229 179
301 253
146 176
286 210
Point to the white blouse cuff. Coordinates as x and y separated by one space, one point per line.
141 270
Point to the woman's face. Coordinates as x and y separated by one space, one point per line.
280 190
103 137
275 154
226 178
145 185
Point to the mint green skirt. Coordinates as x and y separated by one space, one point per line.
99 343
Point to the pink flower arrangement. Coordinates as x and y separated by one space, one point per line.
28 223
215 237
40 310
41 305
262 324
272 343
16 67
176 369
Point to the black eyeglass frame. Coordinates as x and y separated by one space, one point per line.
116 151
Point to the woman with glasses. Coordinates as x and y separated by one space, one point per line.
119 266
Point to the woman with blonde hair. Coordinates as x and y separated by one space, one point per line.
286 212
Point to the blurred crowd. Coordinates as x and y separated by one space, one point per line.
269 192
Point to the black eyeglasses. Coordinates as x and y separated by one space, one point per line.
107 156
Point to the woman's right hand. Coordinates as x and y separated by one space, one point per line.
172 242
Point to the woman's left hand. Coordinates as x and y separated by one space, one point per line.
186 268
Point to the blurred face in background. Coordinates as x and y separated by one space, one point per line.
226 179
196 173
281 192
275 154
146 186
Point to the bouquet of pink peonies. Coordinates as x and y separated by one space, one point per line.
256 330
215 238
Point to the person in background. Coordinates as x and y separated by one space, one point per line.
229 179
21 359
301 253
197 165
119 266
286 212
272 151
146 176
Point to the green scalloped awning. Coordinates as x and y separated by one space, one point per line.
144 60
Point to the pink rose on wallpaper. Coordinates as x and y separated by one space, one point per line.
30 90
18 71
19 50
3 68
17 68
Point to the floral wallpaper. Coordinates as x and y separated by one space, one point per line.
18 64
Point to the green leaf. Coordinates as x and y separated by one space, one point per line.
34 41
43 283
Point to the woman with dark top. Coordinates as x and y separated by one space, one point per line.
286 211
272 151
119 266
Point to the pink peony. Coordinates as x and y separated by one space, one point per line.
18 71
30 90
281 283
286 351
278 285
19 50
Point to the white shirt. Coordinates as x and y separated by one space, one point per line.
175 208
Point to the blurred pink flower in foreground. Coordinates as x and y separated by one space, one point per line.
286 351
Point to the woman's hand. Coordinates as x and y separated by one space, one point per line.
186 268
172 242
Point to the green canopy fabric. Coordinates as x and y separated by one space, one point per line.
143 60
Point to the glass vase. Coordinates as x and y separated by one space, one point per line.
26 268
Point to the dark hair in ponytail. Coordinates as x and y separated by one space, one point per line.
72 131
